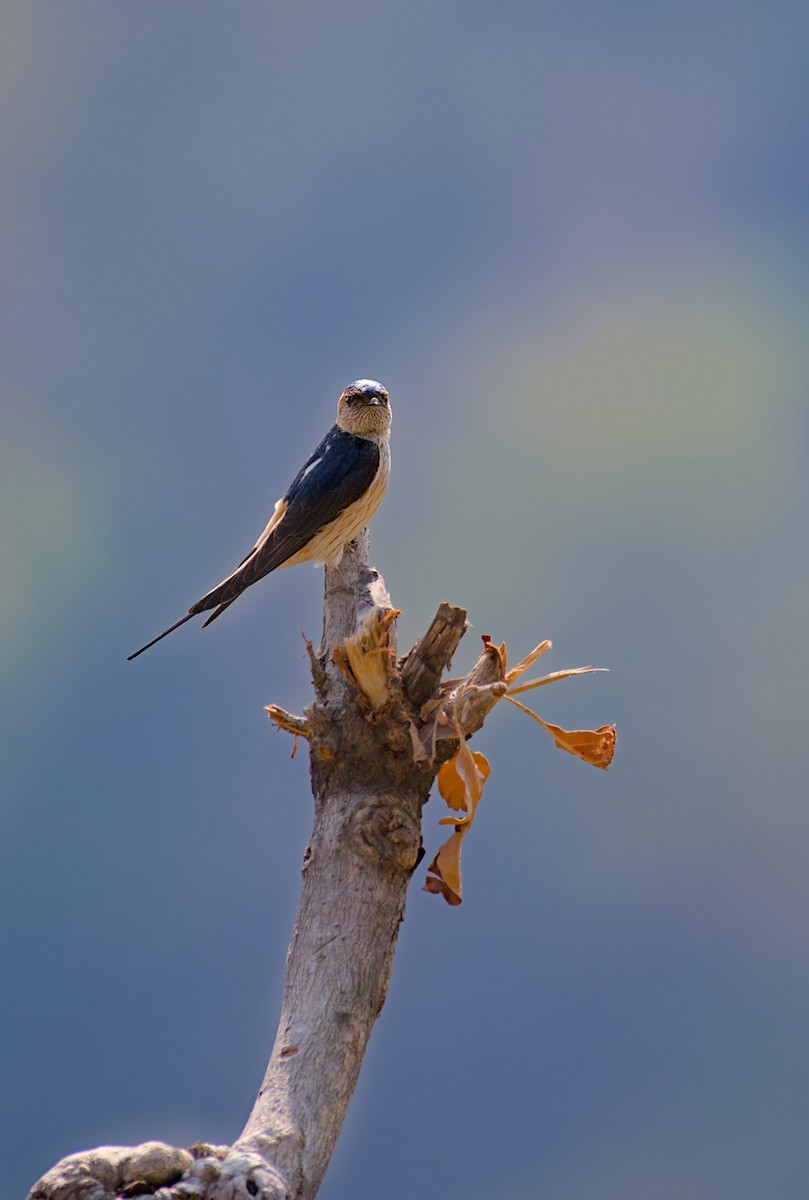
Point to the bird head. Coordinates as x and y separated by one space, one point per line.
364 408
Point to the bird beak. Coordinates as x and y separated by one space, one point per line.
374 401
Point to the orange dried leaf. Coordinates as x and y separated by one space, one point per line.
437 887
451 786
594 746
447 862
473 768
460 783
526 662
447 867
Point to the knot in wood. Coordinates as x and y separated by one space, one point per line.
383 829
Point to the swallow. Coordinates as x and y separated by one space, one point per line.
333 496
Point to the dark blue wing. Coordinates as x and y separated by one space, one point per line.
339 472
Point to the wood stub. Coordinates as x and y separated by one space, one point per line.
489 668
425 664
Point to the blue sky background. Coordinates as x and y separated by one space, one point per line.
571 239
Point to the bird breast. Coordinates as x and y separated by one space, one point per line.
327 545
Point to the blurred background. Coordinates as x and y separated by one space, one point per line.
571 240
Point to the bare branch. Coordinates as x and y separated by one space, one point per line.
289 722
364 847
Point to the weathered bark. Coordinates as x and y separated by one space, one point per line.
370 722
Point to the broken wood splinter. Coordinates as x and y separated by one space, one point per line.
289 722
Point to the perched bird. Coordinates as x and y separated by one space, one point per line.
335 493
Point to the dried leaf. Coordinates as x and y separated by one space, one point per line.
474 770
437 887
447 862
451 786
446 866
528 661
594 746
461 786
462 779
460 782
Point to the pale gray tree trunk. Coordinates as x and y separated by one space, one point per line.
370 722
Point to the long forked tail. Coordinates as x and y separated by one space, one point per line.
160 636
217 612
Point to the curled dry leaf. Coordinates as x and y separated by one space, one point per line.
444 872
460 782
460 787
594 746
436 887
462 778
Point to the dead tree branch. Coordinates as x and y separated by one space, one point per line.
377 732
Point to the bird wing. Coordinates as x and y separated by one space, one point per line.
339 473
